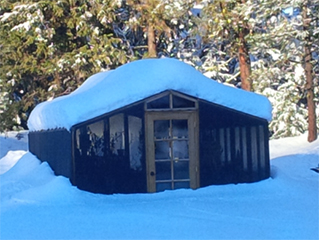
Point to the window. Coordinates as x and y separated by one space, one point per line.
135 144
116 132
180 102
160 103
109 153
90 139
171 101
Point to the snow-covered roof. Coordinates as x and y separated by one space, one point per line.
110 90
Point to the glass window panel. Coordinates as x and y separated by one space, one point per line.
228 144
161 129
262 146
82 141
254 149
181 170
180 150
77 142
237 139
244 146
178 185
96 137
159 103
179 102
180 128
97 128
163 186
222 145
117 138
163 171
162 150
135 146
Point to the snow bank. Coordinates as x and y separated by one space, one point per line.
107 91
27 173
292 146
9 160
36 204
11 141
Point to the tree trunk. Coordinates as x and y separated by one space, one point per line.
244 62
312 125
152 52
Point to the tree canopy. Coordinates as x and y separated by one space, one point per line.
48 48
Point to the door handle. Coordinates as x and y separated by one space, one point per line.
152 173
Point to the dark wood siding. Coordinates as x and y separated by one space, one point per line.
54 147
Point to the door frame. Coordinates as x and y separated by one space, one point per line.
193 135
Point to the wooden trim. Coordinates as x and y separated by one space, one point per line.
166 115
195 165
151 186
170 110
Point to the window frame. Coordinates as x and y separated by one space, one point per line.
170 93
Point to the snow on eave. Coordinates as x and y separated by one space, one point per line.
135 81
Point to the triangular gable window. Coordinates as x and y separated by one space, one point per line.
171 101
160 103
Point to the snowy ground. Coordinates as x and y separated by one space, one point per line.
35 204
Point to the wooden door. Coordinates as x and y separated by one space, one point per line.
172 150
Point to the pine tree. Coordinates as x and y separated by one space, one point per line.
276 47
49 48
274 73
156 22
227 26
279 42
310 20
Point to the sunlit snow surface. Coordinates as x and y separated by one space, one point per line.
107 91
36 204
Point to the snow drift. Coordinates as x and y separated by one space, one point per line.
36 204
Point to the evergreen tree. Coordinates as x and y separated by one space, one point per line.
275 72
226 25
49 48
156 25
276 47
310 19
278 43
